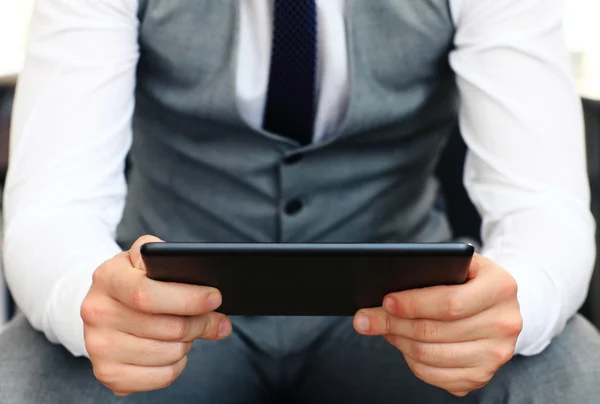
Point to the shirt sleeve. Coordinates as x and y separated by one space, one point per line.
526 165
65 188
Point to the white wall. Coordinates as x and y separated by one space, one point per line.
583 37
582 25
14 18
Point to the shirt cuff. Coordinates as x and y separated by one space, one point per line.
63 323
539 299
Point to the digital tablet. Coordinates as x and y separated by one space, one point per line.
307 279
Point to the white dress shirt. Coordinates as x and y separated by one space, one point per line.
520 117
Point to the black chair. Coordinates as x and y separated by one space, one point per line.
465 220
6 99
591 309
463 216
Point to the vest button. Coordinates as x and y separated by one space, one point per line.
292 158
293 207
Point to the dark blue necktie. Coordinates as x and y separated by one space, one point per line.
290 105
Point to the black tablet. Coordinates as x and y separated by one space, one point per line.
307 279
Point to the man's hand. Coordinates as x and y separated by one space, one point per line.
453 337
139 331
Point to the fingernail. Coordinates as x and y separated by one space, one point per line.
389 305
223 329
214 302
362 323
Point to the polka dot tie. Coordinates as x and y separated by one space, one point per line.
291 105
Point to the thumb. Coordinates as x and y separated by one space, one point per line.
135 255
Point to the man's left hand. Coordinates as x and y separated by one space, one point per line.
452 337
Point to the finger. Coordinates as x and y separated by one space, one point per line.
128 379
164 327
102 311
134 289
118 347
499 322
452 303
210 326
459 382
454 355
135 254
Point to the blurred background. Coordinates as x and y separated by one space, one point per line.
582 37
582 33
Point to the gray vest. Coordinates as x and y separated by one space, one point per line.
198 172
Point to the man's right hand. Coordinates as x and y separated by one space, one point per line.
138 331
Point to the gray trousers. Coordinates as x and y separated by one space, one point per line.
299 360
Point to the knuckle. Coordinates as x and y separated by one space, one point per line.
178 328
502 355
509 327
172 375
509 287
176 351
453 308
97 276
425 330
168 351
388 324
480 379
140 298
168 378
100 273
91 312
105 373
182 349
408 305
206 327
419 370
422 352
517 326
96 343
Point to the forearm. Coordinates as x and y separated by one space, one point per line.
71 132
525 171
50 255
549 249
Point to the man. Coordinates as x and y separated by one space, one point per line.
295 121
